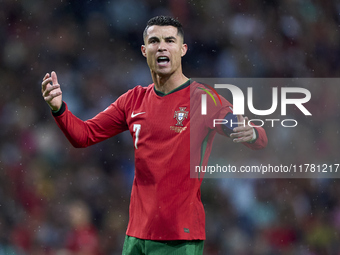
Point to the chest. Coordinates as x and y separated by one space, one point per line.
161 119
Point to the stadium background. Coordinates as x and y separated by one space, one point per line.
53 196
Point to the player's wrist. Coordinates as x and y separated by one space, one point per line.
59 111
55 109
253 139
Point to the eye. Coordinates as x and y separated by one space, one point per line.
153 41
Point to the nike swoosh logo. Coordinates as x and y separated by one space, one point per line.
134 115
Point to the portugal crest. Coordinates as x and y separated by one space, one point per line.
181 115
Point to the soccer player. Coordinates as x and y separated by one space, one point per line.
166 212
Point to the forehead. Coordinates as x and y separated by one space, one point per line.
161 31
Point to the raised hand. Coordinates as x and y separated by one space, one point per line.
51 92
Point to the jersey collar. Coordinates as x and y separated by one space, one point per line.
183 86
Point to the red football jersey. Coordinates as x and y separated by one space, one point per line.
165 202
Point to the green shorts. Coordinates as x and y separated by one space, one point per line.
136 246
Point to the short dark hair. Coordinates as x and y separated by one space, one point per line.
164 21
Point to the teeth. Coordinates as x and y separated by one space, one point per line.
163 59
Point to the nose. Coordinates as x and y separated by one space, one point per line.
162 46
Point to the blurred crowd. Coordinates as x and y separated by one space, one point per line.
57 200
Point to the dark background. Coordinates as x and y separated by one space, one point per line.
94 46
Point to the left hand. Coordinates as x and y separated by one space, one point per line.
242 133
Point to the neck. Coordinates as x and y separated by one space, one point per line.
165 84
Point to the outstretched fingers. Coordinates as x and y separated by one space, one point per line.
50 92
46 87
45 82
50 89
54 78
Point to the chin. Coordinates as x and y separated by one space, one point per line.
163 73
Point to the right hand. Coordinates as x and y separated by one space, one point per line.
51 92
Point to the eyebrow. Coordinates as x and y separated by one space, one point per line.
153 38
166 38
170 37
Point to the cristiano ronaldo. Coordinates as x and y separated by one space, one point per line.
166 215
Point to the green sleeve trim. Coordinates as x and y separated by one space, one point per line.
60 111
203 149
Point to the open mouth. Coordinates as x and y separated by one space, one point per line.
163 60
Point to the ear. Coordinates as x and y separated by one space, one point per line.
143 49
184 49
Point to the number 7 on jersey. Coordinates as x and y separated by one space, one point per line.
136 129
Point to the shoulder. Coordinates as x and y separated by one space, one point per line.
136 91
213 97
197 89
201 88
195 84
136 94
